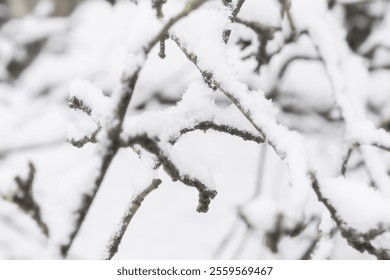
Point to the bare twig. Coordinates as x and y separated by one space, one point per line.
113 245
264 34
226 239
234 12
241 245
237 9
24 199
158 5
309 251
283 69
346 158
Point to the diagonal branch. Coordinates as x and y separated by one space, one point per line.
116 239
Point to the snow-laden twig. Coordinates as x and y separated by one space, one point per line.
343 69
156 132
108 137
254 107
359 231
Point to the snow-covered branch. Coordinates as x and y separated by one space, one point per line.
109 135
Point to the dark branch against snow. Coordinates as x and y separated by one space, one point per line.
109 142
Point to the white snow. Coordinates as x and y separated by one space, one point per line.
98 42
91 96
360 206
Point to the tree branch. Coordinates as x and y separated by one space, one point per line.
354 238
116 239
207 125
111 131
24 199
151 145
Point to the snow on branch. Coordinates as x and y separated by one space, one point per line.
145 39
349 78
209 58
250 116
366 226
88 98
157 132
346 72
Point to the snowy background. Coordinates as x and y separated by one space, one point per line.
311 78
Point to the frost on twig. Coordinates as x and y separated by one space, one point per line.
25 200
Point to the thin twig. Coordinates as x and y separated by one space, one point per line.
226 239
115 241
209 125
346 158
24 199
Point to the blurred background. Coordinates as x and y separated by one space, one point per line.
44 44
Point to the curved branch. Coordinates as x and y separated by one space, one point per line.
207 125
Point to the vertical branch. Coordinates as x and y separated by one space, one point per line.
161 54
